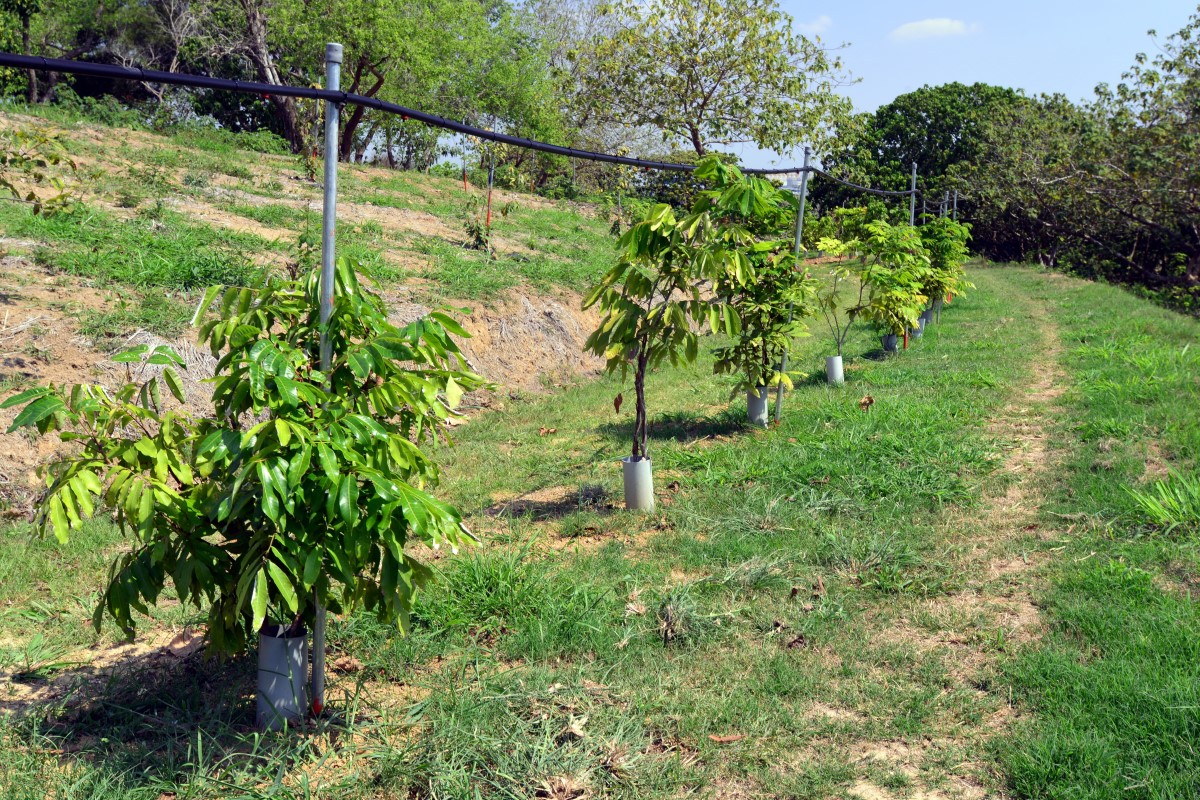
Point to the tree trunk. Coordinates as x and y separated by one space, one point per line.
639 390
264 65
697 142
32 93
350 126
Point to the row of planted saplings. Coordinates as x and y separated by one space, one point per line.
729 266
305 487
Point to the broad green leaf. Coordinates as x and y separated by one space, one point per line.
131 355
173 383
258 601
284 585
37 411
312 568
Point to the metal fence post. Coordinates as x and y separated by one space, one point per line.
912 203
956 205
333 82
799 250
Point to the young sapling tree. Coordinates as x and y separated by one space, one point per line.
302 487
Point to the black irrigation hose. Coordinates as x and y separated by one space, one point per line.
267 89
868 189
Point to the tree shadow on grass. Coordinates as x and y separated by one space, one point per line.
162 717
555 503
683 427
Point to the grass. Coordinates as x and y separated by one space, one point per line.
588 647
156 248
1112 692
161 315
790 608
805 595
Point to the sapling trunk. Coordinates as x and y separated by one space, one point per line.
639 390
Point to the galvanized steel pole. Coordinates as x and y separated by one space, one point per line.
333 81
956 205
799 257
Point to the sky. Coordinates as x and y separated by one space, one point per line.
1065 46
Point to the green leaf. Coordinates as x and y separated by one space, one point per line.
243 335
131 355
284 585
28 394
173 383
347 500
312 568
258 601
58 520
454 392
210 294
449 324
283 431
37 411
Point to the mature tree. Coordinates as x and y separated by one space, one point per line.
935 127
24 10
714 72
1110 188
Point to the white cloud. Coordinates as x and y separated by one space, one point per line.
817 26
937 28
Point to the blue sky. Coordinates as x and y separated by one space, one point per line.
1047 46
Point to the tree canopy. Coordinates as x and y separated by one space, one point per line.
714 72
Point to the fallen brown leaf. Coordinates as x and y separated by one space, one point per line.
866 403
185 643
797 643
346 663
544 431
733 737
819 587
617 401
673 486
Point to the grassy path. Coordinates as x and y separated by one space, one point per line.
948 595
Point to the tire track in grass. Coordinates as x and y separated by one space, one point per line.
1003 545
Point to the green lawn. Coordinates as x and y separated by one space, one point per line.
824 609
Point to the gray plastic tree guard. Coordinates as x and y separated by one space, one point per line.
890 343
756 407
639 483
833 371
282 677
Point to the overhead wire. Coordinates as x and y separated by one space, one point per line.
114 72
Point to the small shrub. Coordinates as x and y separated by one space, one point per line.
196 180
238 171
127 198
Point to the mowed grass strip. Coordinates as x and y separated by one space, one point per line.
1113 692
735 641
738 639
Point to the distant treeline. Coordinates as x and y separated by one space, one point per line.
1109 187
